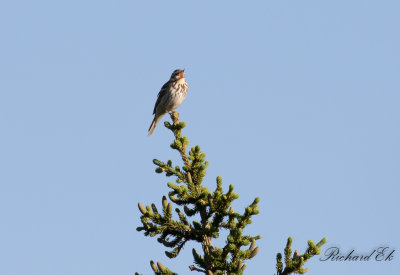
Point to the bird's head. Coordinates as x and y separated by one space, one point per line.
178 74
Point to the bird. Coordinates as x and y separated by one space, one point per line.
170 97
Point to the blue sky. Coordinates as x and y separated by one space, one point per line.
296 102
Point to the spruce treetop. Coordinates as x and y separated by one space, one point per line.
201 215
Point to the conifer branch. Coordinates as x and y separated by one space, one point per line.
294 264
213 212
213 209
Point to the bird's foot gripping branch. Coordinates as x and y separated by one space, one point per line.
201 216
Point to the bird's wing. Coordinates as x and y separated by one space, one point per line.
161 94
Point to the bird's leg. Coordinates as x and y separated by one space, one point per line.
171 112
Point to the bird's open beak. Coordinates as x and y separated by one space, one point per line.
182 74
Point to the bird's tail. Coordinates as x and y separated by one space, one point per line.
156 119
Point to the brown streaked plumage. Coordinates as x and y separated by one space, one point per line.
170 97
